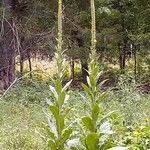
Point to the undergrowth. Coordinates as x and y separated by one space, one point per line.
20 118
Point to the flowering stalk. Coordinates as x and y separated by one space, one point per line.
57 132
92 122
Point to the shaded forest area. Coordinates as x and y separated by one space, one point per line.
28 30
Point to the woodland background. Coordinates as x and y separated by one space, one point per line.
28 30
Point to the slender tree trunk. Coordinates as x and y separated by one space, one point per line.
21 65
72 69
7 47
122 56
30 64
7 54
84 67
122 60
135 63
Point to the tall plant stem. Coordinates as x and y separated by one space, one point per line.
93 30
60 40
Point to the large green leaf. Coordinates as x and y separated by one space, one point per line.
92 141
87 122
62 98
66 135
58 86
92 81
53 90
52 145
88 91
52 126
106 145
55 111
60 124
49 133
95 112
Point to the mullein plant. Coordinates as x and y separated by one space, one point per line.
57 131
95 124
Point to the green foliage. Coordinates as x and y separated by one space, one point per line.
138 138
18 125
20 119
92 141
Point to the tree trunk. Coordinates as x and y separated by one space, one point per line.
7 50
84 67
72 68
135 63
22 55
122 61
7 56
21 64
30 64
122 56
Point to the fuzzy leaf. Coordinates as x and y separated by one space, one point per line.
58 86
52 127
66 99
98 75
67 85
55 111
87 122
53 91
62 98
88 81
60 124
95 112
49 133
52 145
92 141
66 135
87 90
92 81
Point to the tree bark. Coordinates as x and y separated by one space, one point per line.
72 68
122 55
7 49
30 64
84 67
135 63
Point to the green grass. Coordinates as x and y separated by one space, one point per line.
21 112
18 125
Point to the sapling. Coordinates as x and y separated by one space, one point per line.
57 132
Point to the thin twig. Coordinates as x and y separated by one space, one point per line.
13 83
